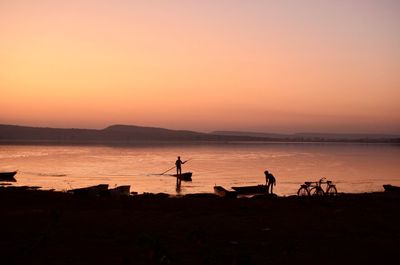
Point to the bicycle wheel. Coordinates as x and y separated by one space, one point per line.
331 191
316 191
303 191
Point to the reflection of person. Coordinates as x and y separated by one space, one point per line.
178 164
178 185
270 180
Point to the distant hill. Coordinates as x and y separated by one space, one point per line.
129 134
315 137
115 134
253 134
346 136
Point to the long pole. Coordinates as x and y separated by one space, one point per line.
167 170
174 167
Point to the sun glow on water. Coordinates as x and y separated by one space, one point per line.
354 168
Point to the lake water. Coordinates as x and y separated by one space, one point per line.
353 167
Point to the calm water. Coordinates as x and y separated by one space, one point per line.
353 167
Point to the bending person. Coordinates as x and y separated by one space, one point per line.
270 180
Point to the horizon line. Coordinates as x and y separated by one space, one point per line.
207 132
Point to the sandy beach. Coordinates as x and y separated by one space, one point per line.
41 227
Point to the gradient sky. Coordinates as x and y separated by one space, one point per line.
272 66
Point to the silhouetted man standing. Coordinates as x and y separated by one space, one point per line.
178 164
270 180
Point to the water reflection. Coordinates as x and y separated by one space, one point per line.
353 167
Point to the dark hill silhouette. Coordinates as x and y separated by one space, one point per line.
316 137
130 134
254 134
115 134
154 133
345 136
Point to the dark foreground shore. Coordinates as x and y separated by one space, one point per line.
39 227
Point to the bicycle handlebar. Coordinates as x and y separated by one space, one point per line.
321 181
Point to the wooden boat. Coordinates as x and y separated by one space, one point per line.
97 190
24 187
222 192
8 176
120 191
391 188
259 189
187 176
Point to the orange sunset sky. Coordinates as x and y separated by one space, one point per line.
272 66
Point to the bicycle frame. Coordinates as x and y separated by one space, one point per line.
315 188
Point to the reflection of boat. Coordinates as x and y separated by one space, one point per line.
97 190
120 191
187 176
259 189
8 176
391 188
222 192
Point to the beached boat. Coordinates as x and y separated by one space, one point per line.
19 188
120 191
222 192
187 176
8 176
391 188
259 189
97 190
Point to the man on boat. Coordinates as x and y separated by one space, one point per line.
178 165
270 180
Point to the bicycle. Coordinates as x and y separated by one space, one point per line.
315 188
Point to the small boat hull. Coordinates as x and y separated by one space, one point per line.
97 190
187 176
8 176
248 190
391 188
120 191
222 192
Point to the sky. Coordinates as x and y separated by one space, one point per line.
267 66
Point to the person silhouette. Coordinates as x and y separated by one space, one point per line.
270 181
178 165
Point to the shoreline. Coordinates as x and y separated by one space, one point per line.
44 227
153 143
10 187
180 195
